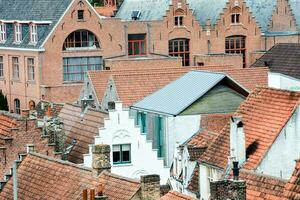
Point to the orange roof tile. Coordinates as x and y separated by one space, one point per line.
133 85
173 195
41 177
264 187
193 185
116 187
264 113
82 127
292 188
6 124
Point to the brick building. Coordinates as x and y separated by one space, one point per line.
44 53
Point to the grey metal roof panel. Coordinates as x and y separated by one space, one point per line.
181 93
31 10
262 11
150 9
207 9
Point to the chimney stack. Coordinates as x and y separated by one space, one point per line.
236 170
228 189
237 140
25 113
150 187
101 159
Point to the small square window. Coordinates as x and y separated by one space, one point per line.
80 14
178 21
235 18
121 154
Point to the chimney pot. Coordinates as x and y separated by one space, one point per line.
101 159
235 170
150 187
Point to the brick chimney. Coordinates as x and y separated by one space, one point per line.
229 189
101 159
25 113
237 140
150 187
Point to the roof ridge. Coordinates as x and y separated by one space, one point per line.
120 177
63 162
262 175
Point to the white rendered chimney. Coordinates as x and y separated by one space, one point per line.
237 140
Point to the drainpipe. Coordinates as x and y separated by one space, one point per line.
15 181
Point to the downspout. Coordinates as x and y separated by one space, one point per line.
25 84
265 43
126 39
9 82
15 181
149 38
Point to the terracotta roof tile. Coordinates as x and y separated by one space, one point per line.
292 188
173 195
82 127
116 187
41 177
193 185
133 85
264 113
6 124
264 187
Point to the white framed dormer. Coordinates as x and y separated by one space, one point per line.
2 32
33 33
18 33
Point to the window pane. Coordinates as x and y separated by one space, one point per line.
126 147
136 48
116 157
143 48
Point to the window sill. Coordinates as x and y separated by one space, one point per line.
17 43
32 43
72 82
89 49
123 165
31 82
16 80
81 20
2 78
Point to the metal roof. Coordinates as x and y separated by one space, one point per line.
31 10
150 9
181 93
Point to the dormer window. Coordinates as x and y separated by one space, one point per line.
178 21
18 33
2 32
33 34
235 18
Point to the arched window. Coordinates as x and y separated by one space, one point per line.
81 39
17 105
180 48
31 105
178 17
236 44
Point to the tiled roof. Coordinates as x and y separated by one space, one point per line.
292 188
131 85
250 78
173 195
116 187
157 11
31 10
193 185
264 113
214 122
262 187
282 58
41 177
82 127
6 124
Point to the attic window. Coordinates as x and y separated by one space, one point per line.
33 34
235 18
178 21
2 32
80 14
135 15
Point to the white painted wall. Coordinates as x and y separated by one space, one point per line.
121 129
281 81
280 159
178 130
204 182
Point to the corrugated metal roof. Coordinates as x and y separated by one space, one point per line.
178 95
150 9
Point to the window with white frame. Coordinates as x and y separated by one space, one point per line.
235 18
30 68
121 154
1 67
18 33
15 66
33 34
210 174
2 32
178 21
